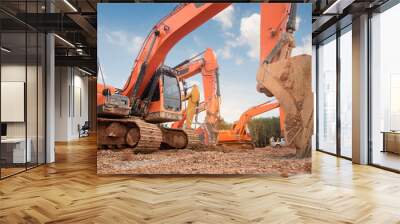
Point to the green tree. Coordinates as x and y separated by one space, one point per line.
223 125
262 129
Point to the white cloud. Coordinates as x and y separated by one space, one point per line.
239 61
229 34
225 18
197 41
225 52
249 37
298 21
304 48
137 42
250 34
132 42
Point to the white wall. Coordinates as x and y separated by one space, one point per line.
33 126
61 103
80 112
16 73
71 103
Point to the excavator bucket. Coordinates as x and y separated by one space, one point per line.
289 80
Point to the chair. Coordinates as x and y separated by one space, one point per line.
84 130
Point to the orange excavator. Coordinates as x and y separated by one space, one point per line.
239 135
129 117
152 95
207 66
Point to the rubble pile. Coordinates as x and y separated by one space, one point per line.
272 161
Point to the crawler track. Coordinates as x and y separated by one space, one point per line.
194 140
180 138
143 137
130 132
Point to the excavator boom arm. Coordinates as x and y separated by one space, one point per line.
164 35
277 20
286 78
190 69
207 66
252 112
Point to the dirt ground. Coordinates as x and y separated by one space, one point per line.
271 161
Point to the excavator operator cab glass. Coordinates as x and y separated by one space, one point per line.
106 92
172 94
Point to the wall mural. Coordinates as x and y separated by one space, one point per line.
204 88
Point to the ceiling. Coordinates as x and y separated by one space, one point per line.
75 23
331 15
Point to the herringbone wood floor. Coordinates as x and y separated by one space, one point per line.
69 191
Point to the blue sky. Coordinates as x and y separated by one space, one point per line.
233 34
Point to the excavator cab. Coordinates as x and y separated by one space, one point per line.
165 105
160 102
172 93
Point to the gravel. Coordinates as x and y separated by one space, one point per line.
271 161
